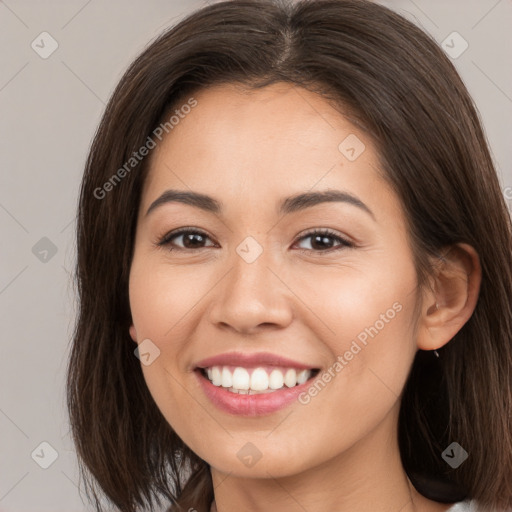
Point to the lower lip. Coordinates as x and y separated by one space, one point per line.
250 405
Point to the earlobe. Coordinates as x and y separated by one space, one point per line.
133 333
452 298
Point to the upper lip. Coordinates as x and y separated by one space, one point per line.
248 360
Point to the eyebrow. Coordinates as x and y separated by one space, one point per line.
289 205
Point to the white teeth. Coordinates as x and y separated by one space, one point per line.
259 381
227 379
216 376
240 378
276 379
290 378
303 376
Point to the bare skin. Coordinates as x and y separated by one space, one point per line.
298 299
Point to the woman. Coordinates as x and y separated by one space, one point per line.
294 273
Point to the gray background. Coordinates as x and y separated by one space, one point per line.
49 111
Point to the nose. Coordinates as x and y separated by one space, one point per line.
251 297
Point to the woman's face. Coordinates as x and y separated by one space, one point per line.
255 288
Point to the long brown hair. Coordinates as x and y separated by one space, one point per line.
394 81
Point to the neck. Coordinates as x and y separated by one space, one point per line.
366 477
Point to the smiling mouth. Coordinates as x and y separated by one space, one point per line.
256 380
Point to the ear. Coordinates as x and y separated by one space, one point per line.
451 299
133 333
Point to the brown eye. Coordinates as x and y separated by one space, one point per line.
324 241
184 239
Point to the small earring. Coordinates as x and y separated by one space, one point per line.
435 351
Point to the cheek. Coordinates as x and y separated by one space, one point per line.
161 298
367 319
370 300
164 301
371 359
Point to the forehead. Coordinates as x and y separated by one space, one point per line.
264 143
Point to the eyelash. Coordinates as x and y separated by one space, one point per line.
165 241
